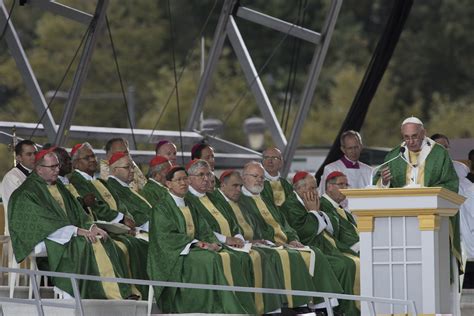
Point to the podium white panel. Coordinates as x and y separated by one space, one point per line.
404 246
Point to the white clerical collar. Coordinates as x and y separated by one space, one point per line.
334 203
85 175
28 169
196 193
270 177
122 183
178 200
225 197
248 193
159 183
63 180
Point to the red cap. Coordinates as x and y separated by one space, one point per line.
40 154
225 174
118 155
161 143
75 148
158 160
334 174
192 162
197 147
299 176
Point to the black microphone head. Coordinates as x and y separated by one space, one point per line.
402 150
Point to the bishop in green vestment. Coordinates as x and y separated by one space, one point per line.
424 163
155 188
183 248
106 206
42 213
276 188
286 265
121 175
315 228
272 226
261 272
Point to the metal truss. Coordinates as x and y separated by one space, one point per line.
227 28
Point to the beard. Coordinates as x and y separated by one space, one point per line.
256 189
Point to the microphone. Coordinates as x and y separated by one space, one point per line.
374 171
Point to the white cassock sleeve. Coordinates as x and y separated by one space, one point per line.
145 227
220 237
186 249
118 218
62 236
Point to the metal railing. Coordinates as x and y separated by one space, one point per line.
78 307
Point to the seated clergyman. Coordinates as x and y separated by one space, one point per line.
183 248
44 215
155 187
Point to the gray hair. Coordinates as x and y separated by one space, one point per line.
350 133
198 164
252 163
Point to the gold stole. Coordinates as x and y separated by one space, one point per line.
343 214
188 218
278 192
124 249
140 197
53 189
420 178
285 263
247 229
105 194
104 265
279 235
258 279
220 219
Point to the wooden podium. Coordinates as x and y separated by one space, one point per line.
404 246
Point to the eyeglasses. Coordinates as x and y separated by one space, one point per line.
271 158
346 185
88 157
183 179
255 176
52 167
202 175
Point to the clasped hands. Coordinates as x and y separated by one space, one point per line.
93 233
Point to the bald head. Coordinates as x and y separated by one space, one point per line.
272 161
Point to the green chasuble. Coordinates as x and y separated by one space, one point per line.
136 204
37 210
261 272
281 268
271 225
172 230
435 170
106 208
307 227
278 191
153 191
345 231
